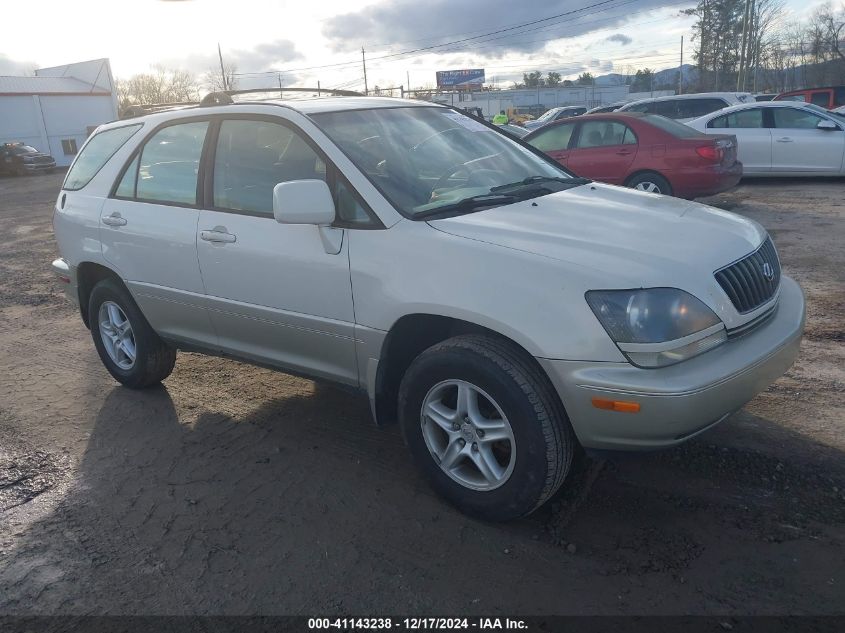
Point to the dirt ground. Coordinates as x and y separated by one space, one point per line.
237 490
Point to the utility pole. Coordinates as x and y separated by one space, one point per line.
222 69
280 86
364 60
681 69
318 89
739 76
408 78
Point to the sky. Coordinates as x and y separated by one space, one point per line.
301 43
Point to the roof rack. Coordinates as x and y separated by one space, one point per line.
224 97
141 109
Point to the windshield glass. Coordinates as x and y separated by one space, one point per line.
428 158
549 114
24 149
836 115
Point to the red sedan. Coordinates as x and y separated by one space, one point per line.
644 151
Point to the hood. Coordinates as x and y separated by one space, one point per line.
639 239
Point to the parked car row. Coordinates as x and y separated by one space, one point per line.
707 155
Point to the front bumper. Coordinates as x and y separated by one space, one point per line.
679 401
66 274
33 167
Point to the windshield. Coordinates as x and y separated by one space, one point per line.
24 149
836 115
430 159
549 114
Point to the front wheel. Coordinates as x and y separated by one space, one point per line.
650 182
129 348
485 427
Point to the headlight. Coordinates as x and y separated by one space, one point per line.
656 327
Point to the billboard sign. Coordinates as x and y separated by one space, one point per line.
460 78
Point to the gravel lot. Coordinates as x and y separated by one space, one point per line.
238 490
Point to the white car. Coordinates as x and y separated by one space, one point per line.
782 138
685 108
502 310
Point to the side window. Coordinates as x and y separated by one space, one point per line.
694 108
793 97
95 154
752 118
629 138
554 139
839 96
126 188
642 107
169 164
669 109
602 134
349 209
795 119
252 157
820 98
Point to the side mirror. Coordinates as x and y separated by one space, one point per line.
827 125
303 202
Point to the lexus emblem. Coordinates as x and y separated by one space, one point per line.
768 271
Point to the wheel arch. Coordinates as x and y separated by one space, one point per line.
407 338
88 275
643 172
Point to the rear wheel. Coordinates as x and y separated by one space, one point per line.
650 182
485 427
129 348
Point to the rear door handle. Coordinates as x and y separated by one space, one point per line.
624 152
784 139
218 236
114 220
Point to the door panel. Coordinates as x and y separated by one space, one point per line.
152 245
605 151
274 292
277 296
754 139
799 147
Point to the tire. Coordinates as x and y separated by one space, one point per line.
530 465
651 182
153 359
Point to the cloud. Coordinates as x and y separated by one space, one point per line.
260 58
624 40
9 66
404 21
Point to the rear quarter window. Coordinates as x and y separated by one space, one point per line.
676 129
97 153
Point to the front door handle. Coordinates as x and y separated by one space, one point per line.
218 236
114 220
784 139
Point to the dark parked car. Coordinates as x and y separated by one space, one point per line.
643 151
20 159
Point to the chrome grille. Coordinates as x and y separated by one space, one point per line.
745 281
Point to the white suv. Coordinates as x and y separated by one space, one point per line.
685 108
502 310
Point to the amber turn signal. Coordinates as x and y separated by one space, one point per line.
616 405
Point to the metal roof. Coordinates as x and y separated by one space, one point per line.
46 86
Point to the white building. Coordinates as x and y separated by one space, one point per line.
56 110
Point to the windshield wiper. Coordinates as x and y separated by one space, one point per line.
533 180
471 203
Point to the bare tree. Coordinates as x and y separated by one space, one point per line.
216 80
162 85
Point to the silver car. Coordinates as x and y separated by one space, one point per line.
503 311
